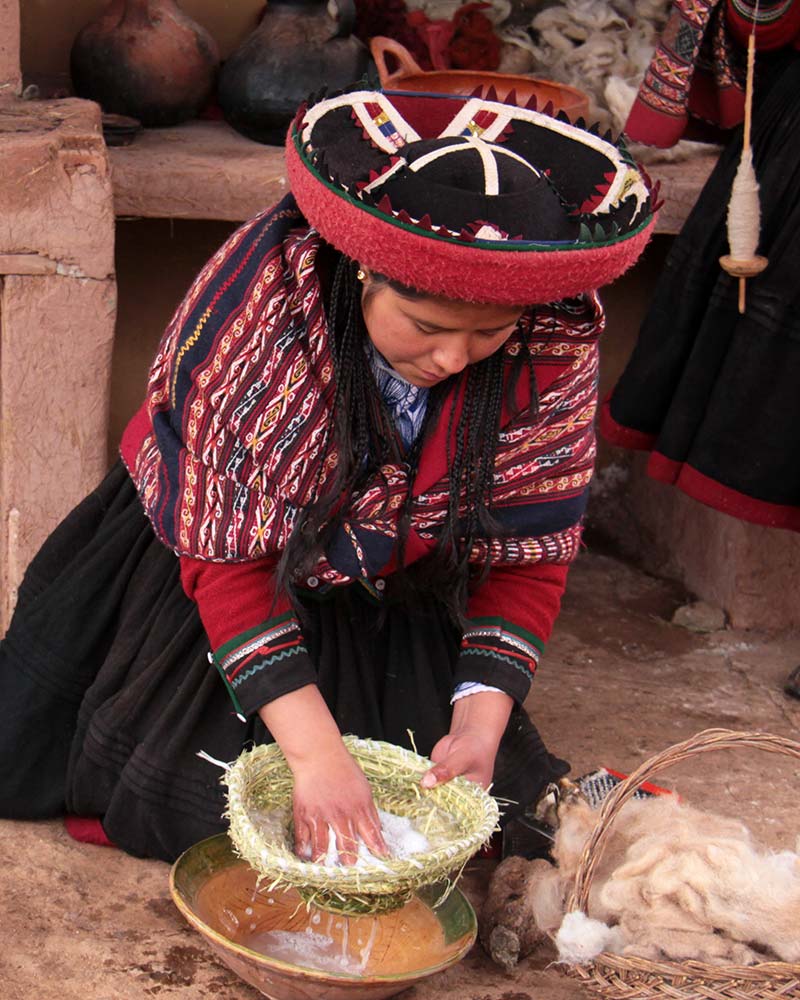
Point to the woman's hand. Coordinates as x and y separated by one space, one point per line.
469 749
329 787
464 753
333 792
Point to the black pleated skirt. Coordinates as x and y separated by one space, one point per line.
107 693
711 393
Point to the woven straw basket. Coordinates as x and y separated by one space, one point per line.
628 978
458 817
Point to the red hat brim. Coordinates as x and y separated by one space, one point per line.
472 272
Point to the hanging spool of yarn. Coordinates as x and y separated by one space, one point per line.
744 209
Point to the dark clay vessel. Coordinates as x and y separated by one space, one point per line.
146 59
296 49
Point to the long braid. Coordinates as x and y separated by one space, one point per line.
472 467
471 474
487 448
360 430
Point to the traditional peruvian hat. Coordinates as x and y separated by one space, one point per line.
468 197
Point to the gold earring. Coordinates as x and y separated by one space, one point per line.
360 275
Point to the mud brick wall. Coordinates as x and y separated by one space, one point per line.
57 313
10 76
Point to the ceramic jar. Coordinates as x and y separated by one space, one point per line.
147 59
297 48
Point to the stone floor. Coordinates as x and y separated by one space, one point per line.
618 684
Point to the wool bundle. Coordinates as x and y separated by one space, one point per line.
603 48
673 883
594 46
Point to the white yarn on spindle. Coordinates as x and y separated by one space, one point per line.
744 210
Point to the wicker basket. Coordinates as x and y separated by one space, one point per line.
459 816
617 976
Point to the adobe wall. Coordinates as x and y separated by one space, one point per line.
57 314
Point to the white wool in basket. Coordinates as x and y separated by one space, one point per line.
677 883
401 838
580 938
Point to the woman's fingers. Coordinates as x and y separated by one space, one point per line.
310 837
449 760
320 837
369 830
334 799
364 830
455 755
437 775
347 843
302 840
313 838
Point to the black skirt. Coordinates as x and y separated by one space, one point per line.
711 393
108 694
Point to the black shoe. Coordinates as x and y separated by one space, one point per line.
792 685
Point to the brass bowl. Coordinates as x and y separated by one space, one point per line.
257 933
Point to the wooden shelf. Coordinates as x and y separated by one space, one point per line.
206 170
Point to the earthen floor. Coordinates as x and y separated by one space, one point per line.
618 684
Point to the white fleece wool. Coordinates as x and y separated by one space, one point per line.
399 834
716 888
679 883
587 43
580 938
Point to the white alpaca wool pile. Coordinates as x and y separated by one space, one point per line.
673 883
581 939
603 48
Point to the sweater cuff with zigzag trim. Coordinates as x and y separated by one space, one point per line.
500 654
265 662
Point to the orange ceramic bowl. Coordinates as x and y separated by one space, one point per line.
410 76
291 952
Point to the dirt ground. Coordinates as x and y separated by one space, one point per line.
618 683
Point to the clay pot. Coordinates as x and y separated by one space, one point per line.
296 49
146 59
410 76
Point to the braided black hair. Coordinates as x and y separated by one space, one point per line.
364 437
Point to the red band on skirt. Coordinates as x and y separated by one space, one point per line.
722 498
625 437
88 830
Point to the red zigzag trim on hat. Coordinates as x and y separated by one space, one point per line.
446 269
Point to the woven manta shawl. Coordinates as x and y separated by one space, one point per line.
699 68
233 431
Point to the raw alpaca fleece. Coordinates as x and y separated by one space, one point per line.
679 883
506 929
603 48
580 938
586 43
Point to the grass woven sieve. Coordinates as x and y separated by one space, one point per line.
260 782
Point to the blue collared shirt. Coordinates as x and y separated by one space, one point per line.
406 402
